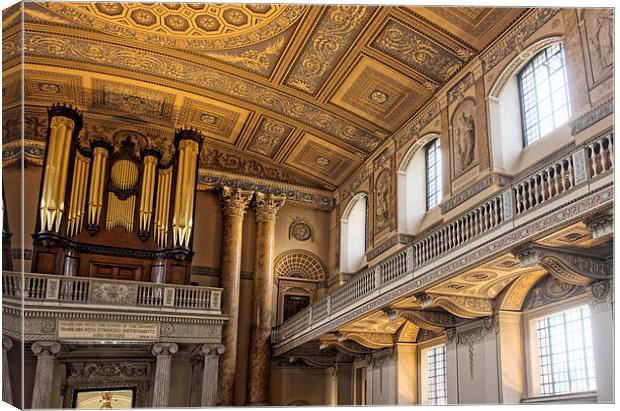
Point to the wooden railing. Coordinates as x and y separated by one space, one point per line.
559 176
95 291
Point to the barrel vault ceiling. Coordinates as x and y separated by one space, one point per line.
291 93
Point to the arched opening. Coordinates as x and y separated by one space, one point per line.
298 274
353 230
413 184
507 116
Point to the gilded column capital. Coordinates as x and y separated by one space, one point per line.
7 343
267 206
45 348
235 201
164 349
212 349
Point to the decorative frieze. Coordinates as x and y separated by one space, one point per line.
592 117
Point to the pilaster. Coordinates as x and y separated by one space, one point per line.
161 390
46 352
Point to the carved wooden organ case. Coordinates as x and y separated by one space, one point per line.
112 208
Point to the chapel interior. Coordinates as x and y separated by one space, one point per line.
210 204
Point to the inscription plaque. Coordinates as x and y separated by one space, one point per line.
105 330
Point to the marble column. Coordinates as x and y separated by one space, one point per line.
7 395
46 352
161 390
209 378
234 203
267 206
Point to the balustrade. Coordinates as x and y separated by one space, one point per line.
80 290
559 176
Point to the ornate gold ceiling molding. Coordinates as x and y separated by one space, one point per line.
336 31
99 53
346 347
369 339
301 196
199 26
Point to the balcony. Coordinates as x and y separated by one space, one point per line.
67 308
498 223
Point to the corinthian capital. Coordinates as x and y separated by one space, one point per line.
267 206
235 201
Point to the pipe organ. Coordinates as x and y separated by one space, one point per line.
123 196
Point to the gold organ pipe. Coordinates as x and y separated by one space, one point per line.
62 181
95 201
82 194
74 192
166 206
177 196
146 195
56 169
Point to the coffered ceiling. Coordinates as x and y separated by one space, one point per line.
292 93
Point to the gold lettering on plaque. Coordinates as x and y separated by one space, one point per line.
103 330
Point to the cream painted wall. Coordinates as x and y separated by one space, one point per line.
298 384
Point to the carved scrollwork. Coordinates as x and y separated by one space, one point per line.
346 347
566 266
434 321
369 339
464 307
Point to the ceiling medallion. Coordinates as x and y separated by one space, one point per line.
378 96
185 25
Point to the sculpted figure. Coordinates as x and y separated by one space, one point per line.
465 140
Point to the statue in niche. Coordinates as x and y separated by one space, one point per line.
600 36
382 201
464 137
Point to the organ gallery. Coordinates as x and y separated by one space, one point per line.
210 204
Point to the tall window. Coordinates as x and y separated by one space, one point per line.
436 390
543 88
433 174
565 356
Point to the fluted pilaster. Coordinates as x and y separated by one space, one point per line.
267 206
7 395
234 204
46 352
161 390
209 379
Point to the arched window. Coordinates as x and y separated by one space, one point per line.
419 185
353 235
433 174
543 91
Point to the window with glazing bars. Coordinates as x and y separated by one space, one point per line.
436 375
543 88
433 174
565 355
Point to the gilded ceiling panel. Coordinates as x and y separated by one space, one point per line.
140 102
337 29
321 159
373 90
269 137
39 86
184 25
413 49
215 119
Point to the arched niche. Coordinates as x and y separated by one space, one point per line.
297 275
353 232
505 130
411 186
